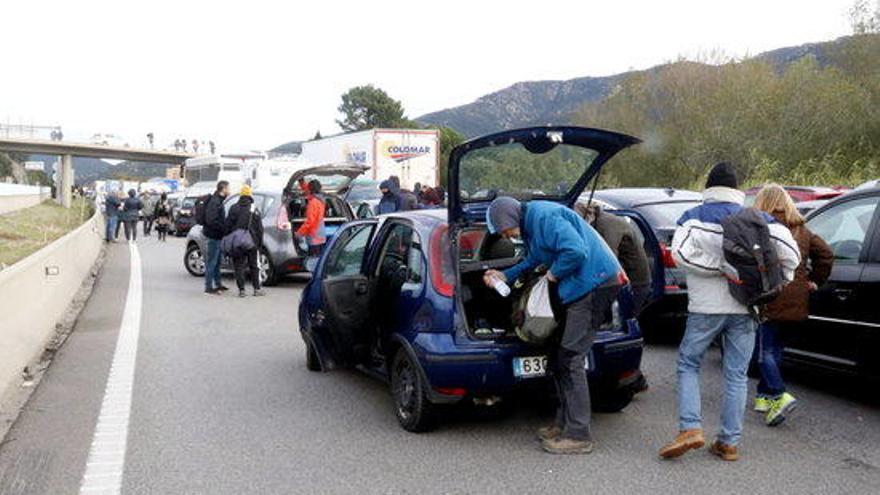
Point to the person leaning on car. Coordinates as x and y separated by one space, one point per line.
214 230
586 276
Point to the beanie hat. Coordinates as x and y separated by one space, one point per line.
246 190
723 174
503 213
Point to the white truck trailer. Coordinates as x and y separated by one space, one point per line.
410 154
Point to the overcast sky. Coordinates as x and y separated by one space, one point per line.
256 74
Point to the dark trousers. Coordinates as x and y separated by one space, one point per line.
768 354
247 262
131 231
148 224
579 322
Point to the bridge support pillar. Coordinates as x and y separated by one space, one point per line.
66 182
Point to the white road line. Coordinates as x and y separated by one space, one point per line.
111 432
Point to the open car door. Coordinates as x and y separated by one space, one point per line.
346 294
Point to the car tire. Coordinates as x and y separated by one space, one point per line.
414 411
612 400
312 361
268 275
194 260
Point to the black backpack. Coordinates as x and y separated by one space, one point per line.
199 209
751 264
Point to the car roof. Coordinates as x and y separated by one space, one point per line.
637 196
855 194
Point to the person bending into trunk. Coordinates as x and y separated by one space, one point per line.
585 277
244 215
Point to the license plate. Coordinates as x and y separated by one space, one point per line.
528 367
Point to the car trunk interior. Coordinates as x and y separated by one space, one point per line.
334 216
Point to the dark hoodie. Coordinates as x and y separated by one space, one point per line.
131 206
244 216
390 201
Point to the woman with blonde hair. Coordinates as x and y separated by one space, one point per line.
791 306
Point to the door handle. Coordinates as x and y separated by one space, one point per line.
842 294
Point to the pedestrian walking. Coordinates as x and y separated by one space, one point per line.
111 211
389 201
313 227
245 216
585 278
714 312
790 307
162 214
149 210
131 208
195 144
214 229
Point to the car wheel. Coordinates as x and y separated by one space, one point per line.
612 400
267 269
194 261
312 361
414 411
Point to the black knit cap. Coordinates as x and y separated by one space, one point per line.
722 175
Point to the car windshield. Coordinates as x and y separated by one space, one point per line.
364 191
665 215
512 170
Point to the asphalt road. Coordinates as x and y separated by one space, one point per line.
222 403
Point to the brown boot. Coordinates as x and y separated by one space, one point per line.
724 451
562 445
549 432
686 440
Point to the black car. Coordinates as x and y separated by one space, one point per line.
843 329
660 209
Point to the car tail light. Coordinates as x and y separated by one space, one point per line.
458 392
281 221
666 256
442 272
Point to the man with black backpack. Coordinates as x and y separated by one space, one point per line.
213 221
735 258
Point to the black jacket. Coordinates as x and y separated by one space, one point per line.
112 204
244 215
215 218
130 208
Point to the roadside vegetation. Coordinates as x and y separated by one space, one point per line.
28 230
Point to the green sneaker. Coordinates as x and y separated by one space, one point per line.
781 406
763 404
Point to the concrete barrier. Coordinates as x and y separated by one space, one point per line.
35 294
15 197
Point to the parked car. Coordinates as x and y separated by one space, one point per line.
401 295
800 193
283 212
660 209
843 329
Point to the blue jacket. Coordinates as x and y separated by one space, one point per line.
390 201
558 238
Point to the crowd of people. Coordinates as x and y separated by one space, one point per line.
394 198
126 210
591 254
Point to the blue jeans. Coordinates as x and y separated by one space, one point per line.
769 356
738 341
212 264
110 234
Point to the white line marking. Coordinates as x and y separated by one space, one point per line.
111 432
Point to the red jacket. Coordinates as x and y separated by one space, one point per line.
313 227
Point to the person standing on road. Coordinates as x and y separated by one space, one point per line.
214 230
162 214
111 210
585 278
792 305
713 312
313 227
244 215
390 200
149 211
131 208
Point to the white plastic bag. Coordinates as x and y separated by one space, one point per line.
538 319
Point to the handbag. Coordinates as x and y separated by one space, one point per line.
239 241
538 320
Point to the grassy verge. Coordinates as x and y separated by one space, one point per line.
25 231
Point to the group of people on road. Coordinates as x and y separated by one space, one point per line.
394 198
590 254
127 210
239 234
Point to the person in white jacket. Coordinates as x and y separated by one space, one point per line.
713 312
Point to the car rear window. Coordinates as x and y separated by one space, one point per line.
665 215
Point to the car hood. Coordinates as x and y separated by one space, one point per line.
553 163
338 177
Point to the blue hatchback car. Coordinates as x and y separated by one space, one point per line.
401 295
